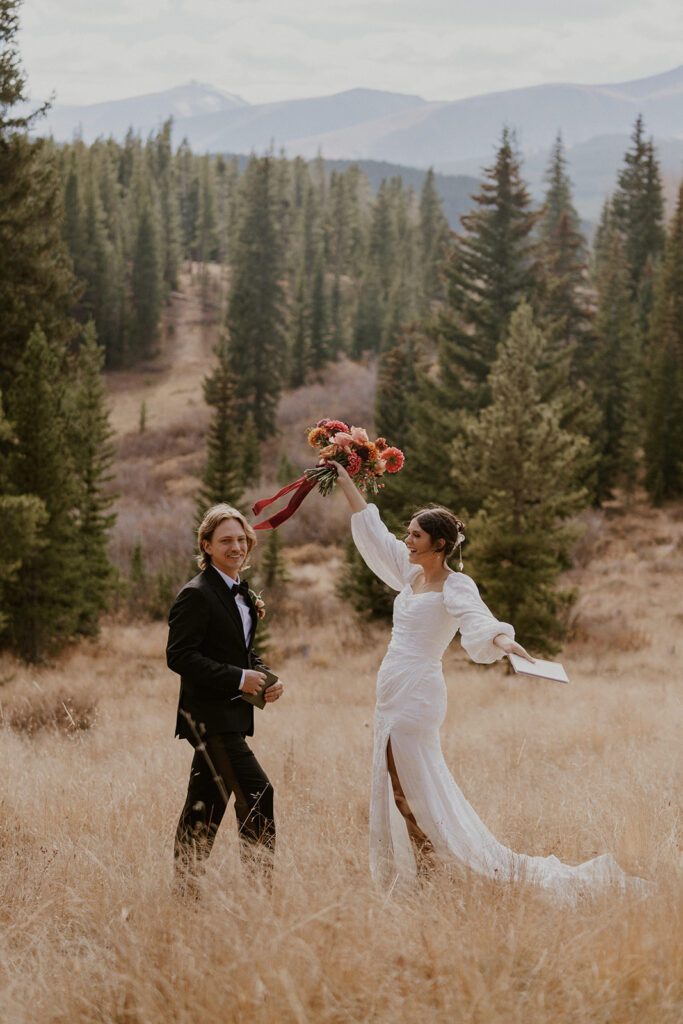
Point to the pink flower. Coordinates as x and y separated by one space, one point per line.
354 464
331 426
394 459
342 439
359 435
379 467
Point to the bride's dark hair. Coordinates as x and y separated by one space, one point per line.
441 525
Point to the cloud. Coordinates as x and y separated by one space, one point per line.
270 49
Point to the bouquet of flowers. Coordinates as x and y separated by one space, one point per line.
365 461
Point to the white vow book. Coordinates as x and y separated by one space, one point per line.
542 669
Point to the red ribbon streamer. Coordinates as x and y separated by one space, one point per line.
302 487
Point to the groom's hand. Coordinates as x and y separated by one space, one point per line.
253 681
273 692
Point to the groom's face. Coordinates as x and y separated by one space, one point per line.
227 547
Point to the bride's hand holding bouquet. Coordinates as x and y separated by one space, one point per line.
341 449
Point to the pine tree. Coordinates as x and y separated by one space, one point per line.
565 304
521 469
22 516
664 383
223 475
38 285
92 451
273 569
187 179
382 242
638 205
602 239
12 81
490 268
433 239
256 305
147 282
227 174
558 197
615 372
369 317
206 244
98 267
251 452
397 371
318 329
169 219
299 356
44 603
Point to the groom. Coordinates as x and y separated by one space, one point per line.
211 632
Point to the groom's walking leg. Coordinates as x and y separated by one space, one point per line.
205 803
253 791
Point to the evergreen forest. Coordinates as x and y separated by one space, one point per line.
527 372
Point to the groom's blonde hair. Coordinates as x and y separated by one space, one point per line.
213 517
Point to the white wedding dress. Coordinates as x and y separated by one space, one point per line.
411 705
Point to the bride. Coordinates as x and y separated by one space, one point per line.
409 775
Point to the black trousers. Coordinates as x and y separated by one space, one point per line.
224 765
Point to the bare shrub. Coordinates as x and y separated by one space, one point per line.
165 530
593 538
601 636
183 436
344 390
308 554
70 714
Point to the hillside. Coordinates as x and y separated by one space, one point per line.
90 927
156 469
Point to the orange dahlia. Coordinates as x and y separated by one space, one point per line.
394 459
317 436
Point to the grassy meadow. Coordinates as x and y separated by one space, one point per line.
90 929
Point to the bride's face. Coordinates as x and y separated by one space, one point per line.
420 546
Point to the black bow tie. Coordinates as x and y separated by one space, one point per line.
241 588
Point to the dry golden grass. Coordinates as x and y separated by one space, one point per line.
91 931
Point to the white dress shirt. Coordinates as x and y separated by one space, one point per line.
244 610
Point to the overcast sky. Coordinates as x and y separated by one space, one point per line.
92 50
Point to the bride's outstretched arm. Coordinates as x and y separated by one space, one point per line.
510 646
355 499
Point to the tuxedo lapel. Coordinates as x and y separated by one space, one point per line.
224 594
254 619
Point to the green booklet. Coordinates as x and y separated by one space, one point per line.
258 699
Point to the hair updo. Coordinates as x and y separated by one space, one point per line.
441 525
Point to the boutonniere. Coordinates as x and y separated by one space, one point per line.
259 604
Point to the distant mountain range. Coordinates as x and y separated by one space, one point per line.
454 137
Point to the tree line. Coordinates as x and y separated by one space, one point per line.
526 373
355 265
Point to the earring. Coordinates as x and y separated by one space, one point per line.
461 537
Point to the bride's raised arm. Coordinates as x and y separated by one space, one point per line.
383 553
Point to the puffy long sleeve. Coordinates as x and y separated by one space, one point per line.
383 553
478 627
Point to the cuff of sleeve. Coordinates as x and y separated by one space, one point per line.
244 672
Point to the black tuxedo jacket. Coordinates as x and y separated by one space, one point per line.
206 647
